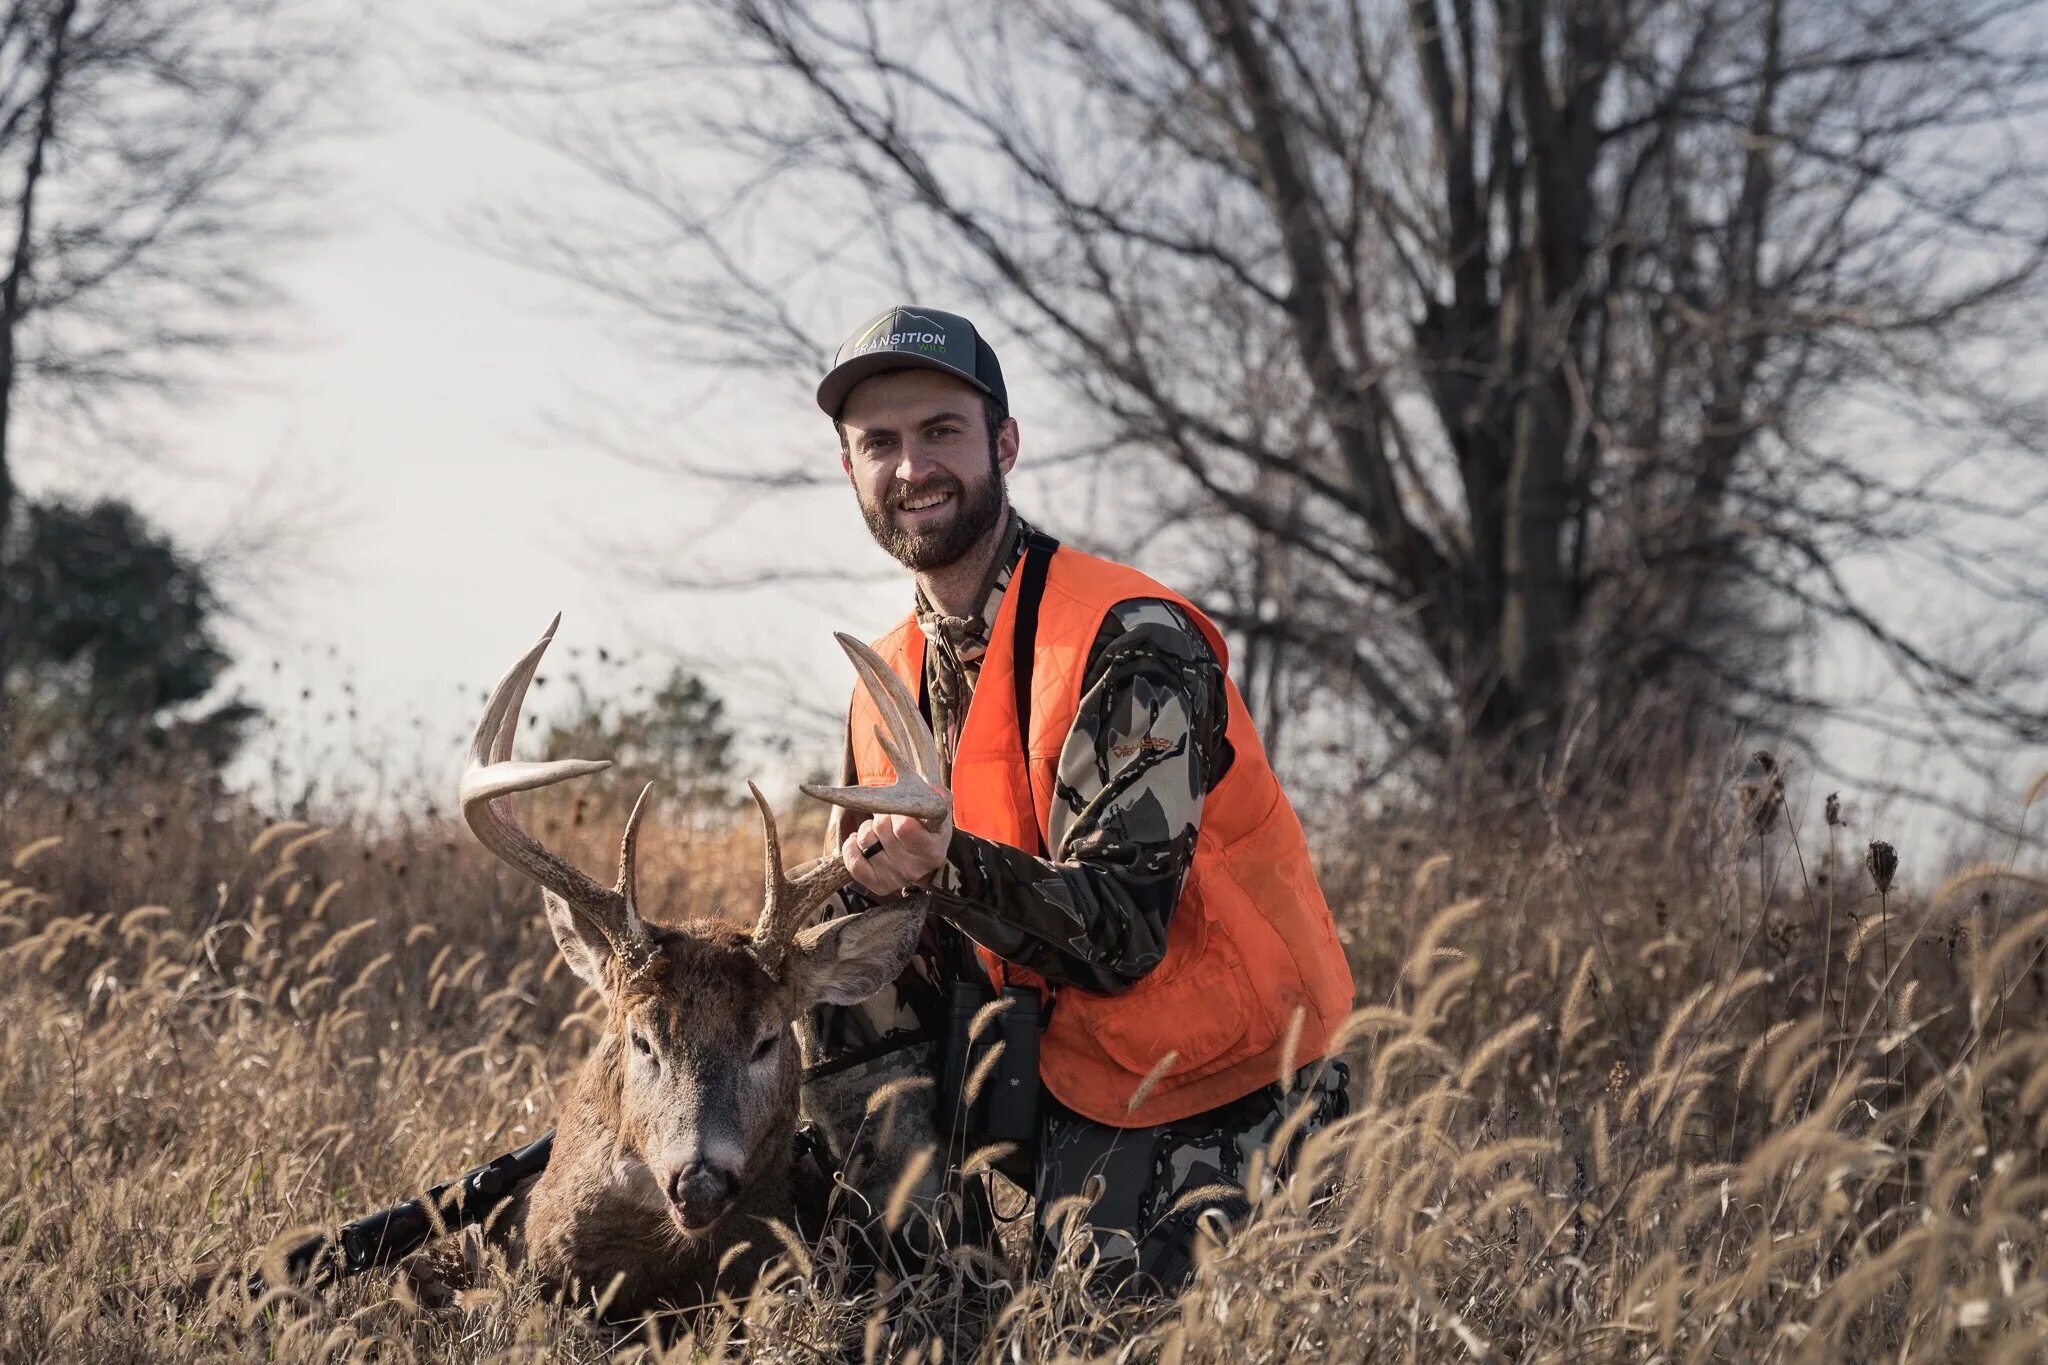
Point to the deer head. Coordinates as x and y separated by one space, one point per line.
698 1066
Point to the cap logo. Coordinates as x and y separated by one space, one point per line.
881 337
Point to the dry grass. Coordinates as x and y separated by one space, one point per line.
1630 1088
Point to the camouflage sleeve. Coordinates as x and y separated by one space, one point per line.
1146 747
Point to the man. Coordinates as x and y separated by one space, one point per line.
1118 846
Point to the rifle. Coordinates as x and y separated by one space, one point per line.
389 1235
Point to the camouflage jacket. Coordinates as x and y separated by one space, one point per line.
1147 746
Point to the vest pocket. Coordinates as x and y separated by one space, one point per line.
1197 1009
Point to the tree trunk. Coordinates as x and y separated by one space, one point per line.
11 312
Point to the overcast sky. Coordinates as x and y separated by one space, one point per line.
407 416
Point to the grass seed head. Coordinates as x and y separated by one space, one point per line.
1883 861
1761 800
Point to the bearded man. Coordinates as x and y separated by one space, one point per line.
1120 863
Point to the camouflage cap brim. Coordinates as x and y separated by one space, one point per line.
841 381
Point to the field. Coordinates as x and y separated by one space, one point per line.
1685 1078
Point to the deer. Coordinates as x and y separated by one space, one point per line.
676 1141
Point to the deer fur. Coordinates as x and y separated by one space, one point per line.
601 1217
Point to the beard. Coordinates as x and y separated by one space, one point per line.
975 511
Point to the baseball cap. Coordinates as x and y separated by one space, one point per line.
913 338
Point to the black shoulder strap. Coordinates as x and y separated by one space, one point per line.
1030 589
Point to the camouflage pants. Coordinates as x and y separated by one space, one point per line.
1134 1178
1135 1228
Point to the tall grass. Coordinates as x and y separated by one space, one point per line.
1689 1085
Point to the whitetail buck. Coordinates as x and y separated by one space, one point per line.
676 1140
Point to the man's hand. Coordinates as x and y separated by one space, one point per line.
889 853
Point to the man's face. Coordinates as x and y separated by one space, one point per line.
917 451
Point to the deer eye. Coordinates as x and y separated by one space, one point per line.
766 1047
640 1043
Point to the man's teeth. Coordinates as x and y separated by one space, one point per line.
919 504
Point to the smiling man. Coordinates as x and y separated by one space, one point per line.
1121 861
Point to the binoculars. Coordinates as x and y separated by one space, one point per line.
1004 1105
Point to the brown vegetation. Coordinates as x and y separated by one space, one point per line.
1641 1084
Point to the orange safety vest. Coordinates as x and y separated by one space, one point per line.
1251 952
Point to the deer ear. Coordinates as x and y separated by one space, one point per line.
584 948
844 961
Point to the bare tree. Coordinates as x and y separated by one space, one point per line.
147 168
1551 370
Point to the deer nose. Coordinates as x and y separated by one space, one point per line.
700 1192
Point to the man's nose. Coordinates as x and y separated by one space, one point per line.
701 1191
914 464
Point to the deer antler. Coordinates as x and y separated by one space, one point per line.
491 778
915 755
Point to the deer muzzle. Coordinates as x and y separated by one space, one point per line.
700 1193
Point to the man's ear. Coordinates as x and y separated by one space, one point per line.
844 961
584 948
1006 445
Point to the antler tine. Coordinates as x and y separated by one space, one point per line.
492 776
771 853
786 904
629 881
774 879
899 710
492 742
909 744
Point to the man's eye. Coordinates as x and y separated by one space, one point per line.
766 1047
